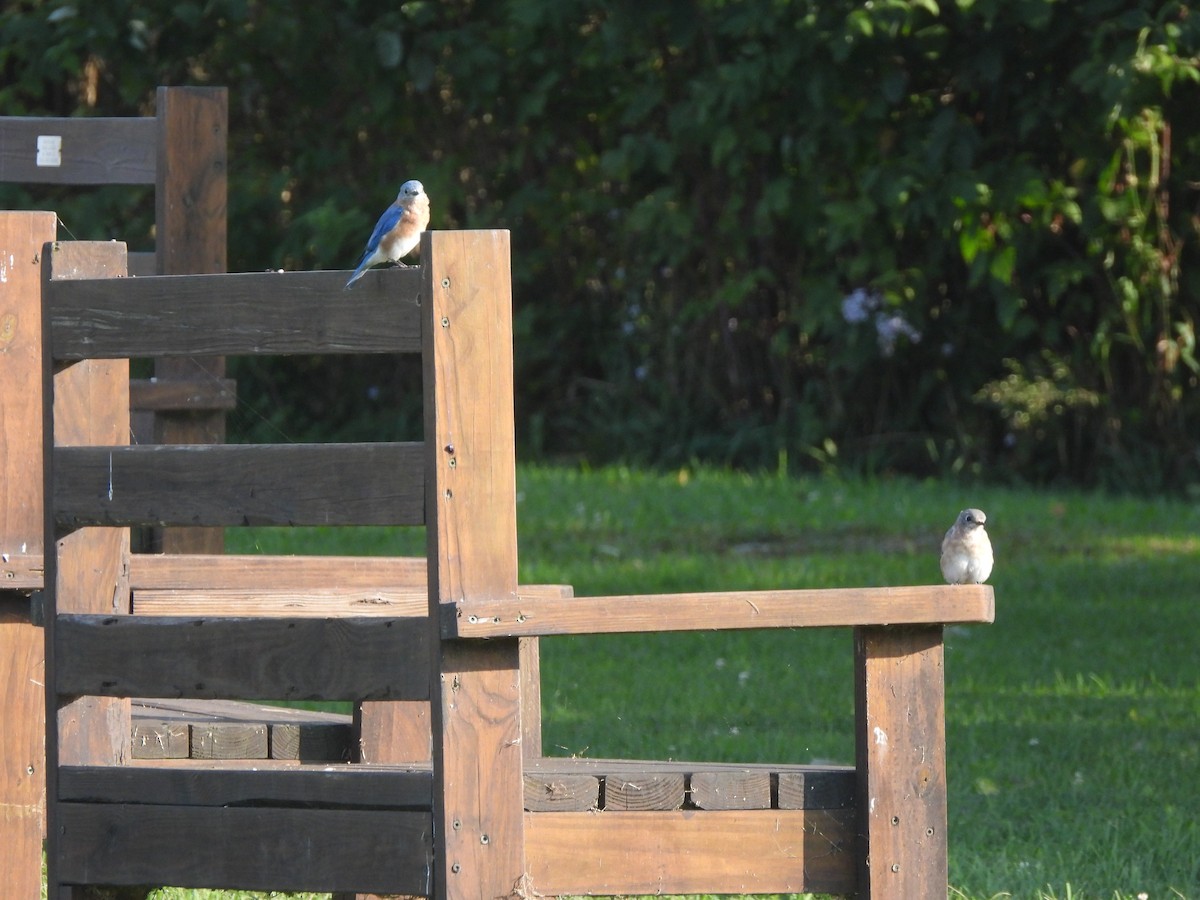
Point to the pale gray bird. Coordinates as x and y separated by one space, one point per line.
966 550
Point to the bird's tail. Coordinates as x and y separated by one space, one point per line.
357 274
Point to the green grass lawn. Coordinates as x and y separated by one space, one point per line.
1073 722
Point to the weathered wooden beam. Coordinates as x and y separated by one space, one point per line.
196 394
691 852
235 658
371 787
22 235
252 848
900 736
86 571
382 602
262 313
472 535
37 150
239 484
251 572
518 615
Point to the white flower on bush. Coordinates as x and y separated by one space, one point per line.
889 327
858 305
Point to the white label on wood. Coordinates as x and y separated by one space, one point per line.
49 150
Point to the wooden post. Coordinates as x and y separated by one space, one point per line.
900 742
471 524
190 219
89 571
22 752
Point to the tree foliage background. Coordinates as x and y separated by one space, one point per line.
902 235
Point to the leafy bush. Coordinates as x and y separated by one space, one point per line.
698 192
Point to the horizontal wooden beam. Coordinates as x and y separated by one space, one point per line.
322 602
36 150
239 658
21 571
252 848
194 394
240 484
370 787
691 852
523 616
261 313
561 784
252 571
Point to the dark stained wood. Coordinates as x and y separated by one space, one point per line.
254 314
254 848
240 484
717 610
93 151
224 784
901 759
476 714
22 235
195 394
750 789
190 205
831 787
691 852
229 657
87 571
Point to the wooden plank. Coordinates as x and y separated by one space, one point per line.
293 734
229 657
476 704
311 741
263 602
22 235
720 610
260 313
208 784
691 852
161 740
901 749
275 848
91 151
190 221
21 751
717 789
254 572
87 571
561 793
817 788
659 790
240 484
194 394
23 571
230 740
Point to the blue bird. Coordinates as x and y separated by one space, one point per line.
398 230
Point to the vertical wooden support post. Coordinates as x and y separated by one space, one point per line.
22 717
472 536
87 571
901 739
190 220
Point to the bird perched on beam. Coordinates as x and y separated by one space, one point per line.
398 230
966 550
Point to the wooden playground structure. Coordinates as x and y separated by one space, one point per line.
446 791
